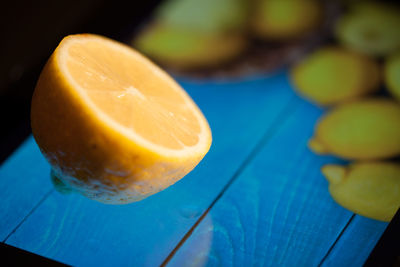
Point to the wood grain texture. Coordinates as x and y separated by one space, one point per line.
23 184
78 231
279 212
356 243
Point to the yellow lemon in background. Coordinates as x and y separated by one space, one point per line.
186 49
114 126
364 129
191 34
370 27
206 16
371 189
332 75
285 19
392 75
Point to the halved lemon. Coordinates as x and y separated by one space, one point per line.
113 125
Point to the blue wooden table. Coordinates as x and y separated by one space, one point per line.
258 197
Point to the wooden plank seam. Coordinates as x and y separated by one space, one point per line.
29 214
336 240
277 123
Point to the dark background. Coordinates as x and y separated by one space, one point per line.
31 30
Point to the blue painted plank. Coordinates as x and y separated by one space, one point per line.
356 243
23 183
79 231
278 212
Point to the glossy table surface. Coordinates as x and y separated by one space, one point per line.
257 199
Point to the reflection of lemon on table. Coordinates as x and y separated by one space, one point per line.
370 189
114 126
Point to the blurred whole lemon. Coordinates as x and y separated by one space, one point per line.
370 27
331 75
190 34
392 75
364 129
371 189
185 49
285 19
206 16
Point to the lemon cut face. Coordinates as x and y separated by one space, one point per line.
132 96
113 125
